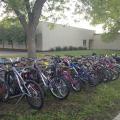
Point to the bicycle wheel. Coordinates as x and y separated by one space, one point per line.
76 85
59 88
35 97
93 79
118 68
4 92
107 75
115 73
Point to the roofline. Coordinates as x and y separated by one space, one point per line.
68 26
98 33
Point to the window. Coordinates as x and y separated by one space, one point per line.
90 44
84 43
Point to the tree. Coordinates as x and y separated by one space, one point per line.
106 12
29 13
11 30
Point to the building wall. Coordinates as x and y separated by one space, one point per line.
100 44
61 36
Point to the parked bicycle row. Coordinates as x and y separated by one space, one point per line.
33 78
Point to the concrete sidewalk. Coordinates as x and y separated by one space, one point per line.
5 53
117 117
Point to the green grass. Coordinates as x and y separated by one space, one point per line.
74 53
86 52
100 103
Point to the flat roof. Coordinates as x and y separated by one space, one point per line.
67 26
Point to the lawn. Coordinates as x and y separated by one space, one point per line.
100 103
74 53
86 52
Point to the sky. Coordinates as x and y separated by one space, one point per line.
81 24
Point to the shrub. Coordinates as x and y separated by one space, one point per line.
71 48
65 48
82 48
74 48
58 48
52 49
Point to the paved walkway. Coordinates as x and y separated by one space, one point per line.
10 53
5 53
117 117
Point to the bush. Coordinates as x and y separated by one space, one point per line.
52 49
71 48
74 48
65 48
82 48
58 48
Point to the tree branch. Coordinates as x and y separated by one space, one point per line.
20 16
36 12
28 8
22 19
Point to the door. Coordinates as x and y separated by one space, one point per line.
90 44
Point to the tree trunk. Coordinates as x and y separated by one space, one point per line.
25 42
31 42
3 44
12 44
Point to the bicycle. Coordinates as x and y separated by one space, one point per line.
27 88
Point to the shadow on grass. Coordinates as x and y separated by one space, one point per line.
100 103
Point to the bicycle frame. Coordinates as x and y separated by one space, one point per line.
20 81
42 75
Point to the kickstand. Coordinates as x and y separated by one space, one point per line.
21 97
